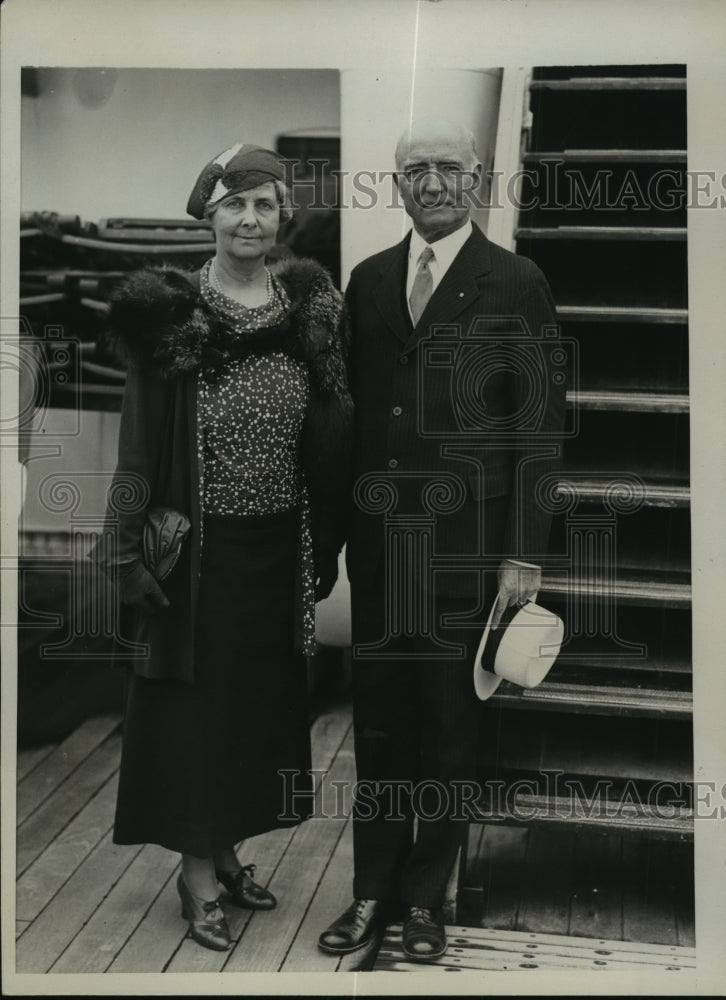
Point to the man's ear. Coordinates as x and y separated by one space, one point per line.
471 181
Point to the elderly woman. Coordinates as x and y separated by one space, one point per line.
237 415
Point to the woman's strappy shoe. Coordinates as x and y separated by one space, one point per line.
244 892
208 930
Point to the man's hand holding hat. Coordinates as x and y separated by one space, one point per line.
518 582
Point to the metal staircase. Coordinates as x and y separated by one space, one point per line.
602 211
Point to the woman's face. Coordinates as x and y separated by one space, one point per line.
245 224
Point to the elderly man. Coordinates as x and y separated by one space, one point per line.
457 409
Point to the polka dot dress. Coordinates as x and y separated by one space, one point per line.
250 421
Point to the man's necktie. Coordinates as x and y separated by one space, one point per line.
423 285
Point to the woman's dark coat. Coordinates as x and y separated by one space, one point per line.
169 334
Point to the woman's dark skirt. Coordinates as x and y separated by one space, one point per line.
207 765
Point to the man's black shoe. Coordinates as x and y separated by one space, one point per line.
355 928
423 933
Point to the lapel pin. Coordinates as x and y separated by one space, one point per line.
461 295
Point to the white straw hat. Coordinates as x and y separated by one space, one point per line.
521 649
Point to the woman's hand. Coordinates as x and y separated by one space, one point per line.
139 589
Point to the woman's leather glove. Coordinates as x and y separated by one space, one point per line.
139 588
326 573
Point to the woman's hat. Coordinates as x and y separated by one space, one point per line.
239 168
521 649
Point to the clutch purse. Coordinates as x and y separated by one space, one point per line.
164 534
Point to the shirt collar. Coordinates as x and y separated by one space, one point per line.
445 249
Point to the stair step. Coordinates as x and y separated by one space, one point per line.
611 83
676 70
602 233
626 590
608 156
676 664
600 699
632 818
606 275
585 750
655 495
622 116
631 402
622 314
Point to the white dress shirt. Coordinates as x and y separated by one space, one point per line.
445 250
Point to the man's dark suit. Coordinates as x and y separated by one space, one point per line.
425 411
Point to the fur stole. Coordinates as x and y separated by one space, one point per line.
160 318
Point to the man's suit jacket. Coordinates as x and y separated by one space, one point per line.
474 396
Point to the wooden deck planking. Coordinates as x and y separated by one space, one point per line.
596 910
157 936
504 875
685 926
332 895
684 905
160 943
302 866
182 953
613 887
54 929
566 945
474 861
491 961
557 941
545 906
50 818
472 876
268 852
29 759
95 946
491 950
39 883
61 762
473 852
390 961
86 905
648 910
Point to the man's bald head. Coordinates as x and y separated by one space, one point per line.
440 134
437 169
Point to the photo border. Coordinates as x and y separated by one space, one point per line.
421 35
